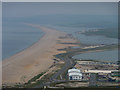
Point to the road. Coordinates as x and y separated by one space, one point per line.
68 64
53 79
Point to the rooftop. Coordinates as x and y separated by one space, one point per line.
74 70
75 74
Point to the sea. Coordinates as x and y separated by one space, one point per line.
17 37
89 29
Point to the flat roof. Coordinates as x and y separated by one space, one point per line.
75 74
73 70
99 71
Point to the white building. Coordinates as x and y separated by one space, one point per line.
99 71
74 74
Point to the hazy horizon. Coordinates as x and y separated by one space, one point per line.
28 9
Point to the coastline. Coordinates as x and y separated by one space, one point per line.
35 59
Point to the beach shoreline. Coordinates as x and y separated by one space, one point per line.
35 59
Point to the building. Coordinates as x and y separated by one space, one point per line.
115 76
115 73
74 74
100 71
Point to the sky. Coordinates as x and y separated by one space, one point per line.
27 9
60 0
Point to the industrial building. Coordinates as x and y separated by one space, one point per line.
74 74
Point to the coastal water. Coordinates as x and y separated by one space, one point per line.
87 39
111 55
94 39
17 36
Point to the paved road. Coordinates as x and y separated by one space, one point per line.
68 64
53 79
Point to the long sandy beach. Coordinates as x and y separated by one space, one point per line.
36 59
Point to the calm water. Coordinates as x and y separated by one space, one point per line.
93 40
17 36
87 39
111 55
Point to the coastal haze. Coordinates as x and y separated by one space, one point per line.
33 33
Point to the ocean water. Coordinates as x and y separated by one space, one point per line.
87 39
111 55
17 36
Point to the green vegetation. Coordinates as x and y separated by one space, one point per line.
70 52
34 78
32 82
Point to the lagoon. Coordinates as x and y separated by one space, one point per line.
110 55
